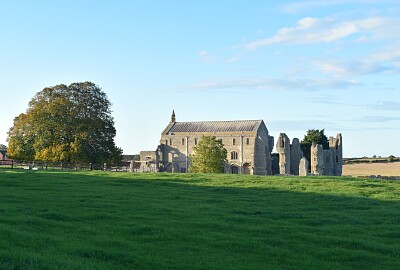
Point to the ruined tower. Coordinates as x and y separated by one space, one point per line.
317 159
283 148
295 156
336 148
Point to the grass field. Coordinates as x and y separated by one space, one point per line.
95 220
365 169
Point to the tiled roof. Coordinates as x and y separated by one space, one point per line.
214 126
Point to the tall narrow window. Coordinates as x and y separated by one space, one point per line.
170 141
247 141
166 142
183 141
234 141
195 141
234 155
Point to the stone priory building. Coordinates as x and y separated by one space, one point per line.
247 142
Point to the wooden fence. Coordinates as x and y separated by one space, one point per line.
38 165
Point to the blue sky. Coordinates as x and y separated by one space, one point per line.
295 64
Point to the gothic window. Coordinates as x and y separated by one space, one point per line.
183 141
234 155
166 142
247 141
170 141
195 141
234 141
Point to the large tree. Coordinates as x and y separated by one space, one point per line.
313 136
209 156
65 123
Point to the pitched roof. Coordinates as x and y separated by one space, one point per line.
213 126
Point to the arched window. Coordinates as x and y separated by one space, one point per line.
166 142
195 141
233 141
234 155
183 141
170 141
247 141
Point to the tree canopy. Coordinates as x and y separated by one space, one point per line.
65 123
3 147
209 156
313 136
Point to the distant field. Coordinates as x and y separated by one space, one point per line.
98 220
365 169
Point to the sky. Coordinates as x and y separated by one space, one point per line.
297 65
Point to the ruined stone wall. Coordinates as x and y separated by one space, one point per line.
303 167
336 148
317 159
283 148
295 156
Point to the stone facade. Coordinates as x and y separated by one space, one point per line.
247 142
327 161
249 147
149 161
289 155
283 149
323 161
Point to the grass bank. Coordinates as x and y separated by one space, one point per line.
96 220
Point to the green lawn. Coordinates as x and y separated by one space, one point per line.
96 220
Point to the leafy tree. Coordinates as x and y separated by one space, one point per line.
391 158
3 147
66 123
209 156
313 136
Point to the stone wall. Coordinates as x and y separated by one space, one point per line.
283 148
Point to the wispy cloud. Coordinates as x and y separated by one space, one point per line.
301 6
385 106
206 56
278 84
314 30
385 62
378 119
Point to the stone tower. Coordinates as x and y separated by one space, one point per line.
295 156
283 148
336 148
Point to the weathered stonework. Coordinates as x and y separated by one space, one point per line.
295 156
327 161
317 159
249 147
247 142
303 167
283 148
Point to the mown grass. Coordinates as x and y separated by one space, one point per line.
96 220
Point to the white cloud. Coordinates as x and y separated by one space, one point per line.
278 84
314 30
385 62
206 56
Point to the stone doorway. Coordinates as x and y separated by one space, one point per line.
234 170
246 168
